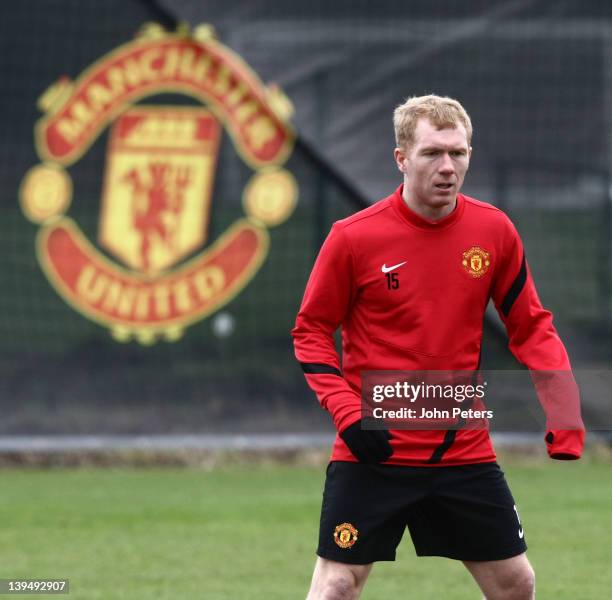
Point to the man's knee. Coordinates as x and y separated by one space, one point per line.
337 581
340 586
519 585
524 585
510 579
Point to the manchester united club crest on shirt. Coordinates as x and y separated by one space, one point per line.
345 535
476 261
157 276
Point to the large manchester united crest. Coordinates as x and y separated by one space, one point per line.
158 183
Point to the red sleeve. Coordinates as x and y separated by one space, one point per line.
534 341
327 299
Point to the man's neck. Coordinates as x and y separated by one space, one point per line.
431 213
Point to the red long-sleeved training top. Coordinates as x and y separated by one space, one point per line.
411 294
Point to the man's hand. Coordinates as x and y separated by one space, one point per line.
565 444
370 446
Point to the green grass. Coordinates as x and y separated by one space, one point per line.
242 533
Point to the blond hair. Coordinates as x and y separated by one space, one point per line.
443 112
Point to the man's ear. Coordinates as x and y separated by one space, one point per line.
400 158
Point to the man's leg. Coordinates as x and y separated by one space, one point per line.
509 579
333 580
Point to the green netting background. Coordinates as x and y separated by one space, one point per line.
536 78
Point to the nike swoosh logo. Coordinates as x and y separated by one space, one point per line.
521 533
386 269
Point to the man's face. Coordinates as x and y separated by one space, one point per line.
434 166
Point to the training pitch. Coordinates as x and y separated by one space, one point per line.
249 532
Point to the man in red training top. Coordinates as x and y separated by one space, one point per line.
395 277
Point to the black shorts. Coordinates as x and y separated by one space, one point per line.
464 512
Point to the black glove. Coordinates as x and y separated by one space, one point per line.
369 446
